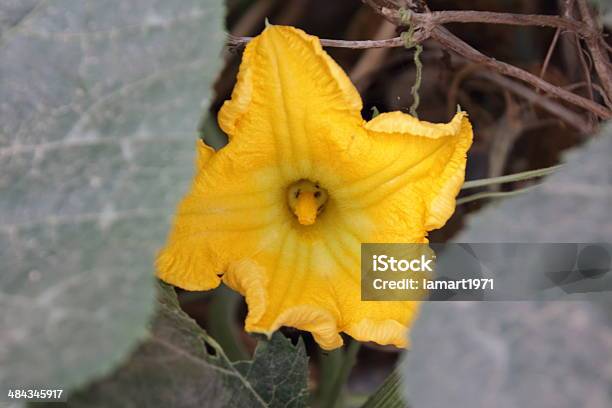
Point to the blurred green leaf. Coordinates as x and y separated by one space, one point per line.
174 368
519 354
388 395
98 121
571 205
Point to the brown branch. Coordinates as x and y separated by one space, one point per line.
606 45
601 61
570 117
437 18
432 19
238 42
566 115
549 53
451 42
429 25
596 87
585 67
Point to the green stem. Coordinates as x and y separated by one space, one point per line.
525 175
492 194
329 365
349 358
408 38
416 99
221 322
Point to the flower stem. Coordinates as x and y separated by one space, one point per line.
221 313
525 175
329 367
349 357
493 194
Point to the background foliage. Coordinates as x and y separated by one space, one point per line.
536 354
100 105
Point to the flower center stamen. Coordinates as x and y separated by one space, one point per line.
306 199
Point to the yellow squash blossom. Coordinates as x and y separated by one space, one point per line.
279 213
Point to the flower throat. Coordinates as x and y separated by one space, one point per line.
306 200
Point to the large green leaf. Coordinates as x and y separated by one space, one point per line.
99 106
525 354
174 369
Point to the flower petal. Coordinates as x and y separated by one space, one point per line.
250 279
203 154
294 115
287 85
410 170
399 122
385 332
443 155
282 288
313 284
233 210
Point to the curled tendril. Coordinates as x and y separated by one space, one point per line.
409 42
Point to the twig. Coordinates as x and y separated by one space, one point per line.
444 17
598 52
596 87
568 43
586 70
568 116
437 18
549 53
429 24
237 42
606 45
433 19
450 41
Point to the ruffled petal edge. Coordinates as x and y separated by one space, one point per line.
249 279
443 201
232 110
383 332
400 122
172 269
446 186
